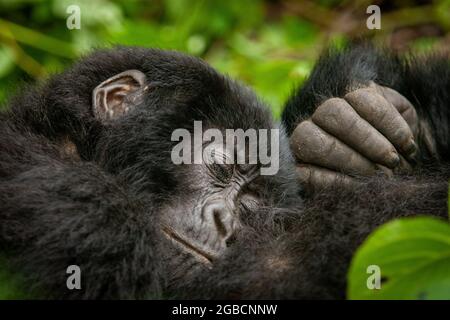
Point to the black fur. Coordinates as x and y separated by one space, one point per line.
100 208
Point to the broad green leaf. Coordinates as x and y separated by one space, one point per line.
413 256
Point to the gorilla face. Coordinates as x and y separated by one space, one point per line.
205 222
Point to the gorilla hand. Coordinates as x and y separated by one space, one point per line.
370 129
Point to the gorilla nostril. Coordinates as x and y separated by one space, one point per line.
221 229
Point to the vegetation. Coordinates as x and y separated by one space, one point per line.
413 257
270 45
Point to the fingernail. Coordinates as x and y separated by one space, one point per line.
411 147
386 171
393 159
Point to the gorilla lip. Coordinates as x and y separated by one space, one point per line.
198 253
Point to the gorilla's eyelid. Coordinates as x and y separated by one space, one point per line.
217 154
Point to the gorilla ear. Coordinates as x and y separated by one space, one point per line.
116 96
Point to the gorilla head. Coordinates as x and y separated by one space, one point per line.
120 108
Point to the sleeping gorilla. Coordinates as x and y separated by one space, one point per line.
86 176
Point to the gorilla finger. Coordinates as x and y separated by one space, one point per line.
338 118
313 145
383 116
318 177
387 173
403 105
404 166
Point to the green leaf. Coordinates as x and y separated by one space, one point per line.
413 256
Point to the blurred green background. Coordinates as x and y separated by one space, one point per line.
270 45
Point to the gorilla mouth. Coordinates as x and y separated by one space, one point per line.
200 254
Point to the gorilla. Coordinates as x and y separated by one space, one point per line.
87 177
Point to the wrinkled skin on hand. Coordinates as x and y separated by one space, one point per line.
368 131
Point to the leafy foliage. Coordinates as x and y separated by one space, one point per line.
413 256
270 45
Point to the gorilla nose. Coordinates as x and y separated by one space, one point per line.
221 217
